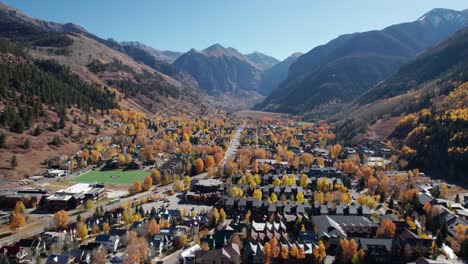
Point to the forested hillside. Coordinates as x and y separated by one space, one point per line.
430 97
27 84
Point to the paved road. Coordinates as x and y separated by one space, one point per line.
234 144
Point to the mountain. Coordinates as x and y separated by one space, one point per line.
102 62
349 65
262 61
424 106
159 61
166 56
218 69
276 74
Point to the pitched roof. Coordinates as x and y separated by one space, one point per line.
366 242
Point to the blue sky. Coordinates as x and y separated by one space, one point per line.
274 27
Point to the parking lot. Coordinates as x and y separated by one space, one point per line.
173 202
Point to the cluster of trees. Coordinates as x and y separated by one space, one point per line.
437 135
26 85
18 216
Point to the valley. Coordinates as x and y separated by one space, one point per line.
122 151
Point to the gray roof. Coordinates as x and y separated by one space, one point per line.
366 242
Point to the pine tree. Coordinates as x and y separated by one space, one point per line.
37 131
13 161
26 144
3 138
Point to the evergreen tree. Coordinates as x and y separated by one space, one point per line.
37 131
26 144
14 161
3 138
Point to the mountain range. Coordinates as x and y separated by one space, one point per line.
423 106
348 66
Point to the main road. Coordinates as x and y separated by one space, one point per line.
234 144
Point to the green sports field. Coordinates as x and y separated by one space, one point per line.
111 177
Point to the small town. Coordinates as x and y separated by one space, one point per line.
265 191
233 132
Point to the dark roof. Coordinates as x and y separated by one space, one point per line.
366 242
57 259
26 243
424 198
90 246
118 232
105 238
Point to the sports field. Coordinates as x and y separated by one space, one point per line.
111 177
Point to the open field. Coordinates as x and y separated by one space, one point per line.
258 115
111 177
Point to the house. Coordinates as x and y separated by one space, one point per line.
32 246
163 241
229 254
29 197
59 259
378 250
410 246
108 241
335 227
15 254
157 246
121 234
254 253
188 256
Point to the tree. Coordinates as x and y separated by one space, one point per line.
386 229
335 151
19 208
275 250
13 161
267 253
209 162
222 214
307 158
88 204
95 229
294 251
148 182
106 227
303 181
81 230
443 190
180 241
95 156
284 252
136 187
257 194
156 176
346 251
320 161
153 228
215 215
300 197
273 198
198 164
98 256
3 138
122 160
319 252
26 143
61 218
18 220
